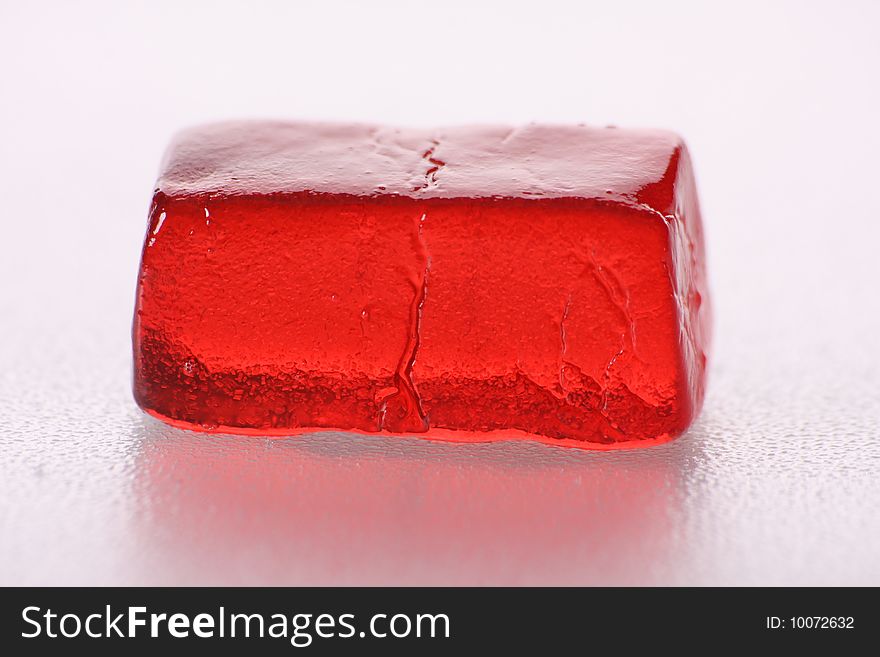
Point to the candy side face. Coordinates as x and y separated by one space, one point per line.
287 303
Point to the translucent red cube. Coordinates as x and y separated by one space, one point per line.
466 284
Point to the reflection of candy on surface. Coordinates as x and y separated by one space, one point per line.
467 283
357 510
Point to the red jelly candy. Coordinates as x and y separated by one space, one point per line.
468 283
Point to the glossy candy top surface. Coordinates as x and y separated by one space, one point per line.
532 161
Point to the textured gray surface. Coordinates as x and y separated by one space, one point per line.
776 484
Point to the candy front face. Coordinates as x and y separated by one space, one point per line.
464 284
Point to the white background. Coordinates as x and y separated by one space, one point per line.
777 483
